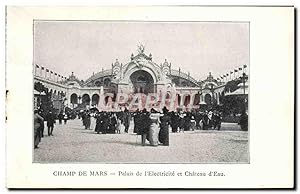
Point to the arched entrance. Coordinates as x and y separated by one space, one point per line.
74 99
86 99
95 99
142 82
187 100
197 99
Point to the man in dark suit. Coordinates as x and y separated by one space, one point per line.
174 122
136 121
50 122
126 120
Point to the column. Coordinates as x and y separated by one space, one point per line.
101 90
79 99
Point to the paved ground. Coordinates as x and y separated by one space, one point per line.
72 143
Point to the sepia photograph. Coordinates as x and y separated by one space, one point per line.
141 92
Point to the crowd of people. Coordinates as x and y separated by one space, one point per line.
153 126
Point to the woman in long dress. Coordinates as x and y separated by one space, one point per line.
154 127
164 128
118 126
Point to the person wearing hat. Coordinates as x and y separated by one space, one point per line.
205 120
163 135
60 117
145 127
37 128
174 122
136 121
126 119
99 123
65 118
181 121
154 127
187 121
50 122
105 123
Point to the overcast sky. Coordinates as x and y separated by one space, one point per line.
87 47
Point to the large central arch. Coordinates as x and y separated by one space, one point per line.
132 67
142 82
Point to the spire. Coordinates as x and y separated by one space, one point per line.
210 77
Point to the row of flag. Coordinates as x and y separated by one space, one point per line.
232 72
47 70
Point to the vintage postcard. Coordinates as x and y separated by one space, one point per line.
150 97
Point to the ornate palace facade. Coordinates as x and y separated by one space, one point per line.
140 75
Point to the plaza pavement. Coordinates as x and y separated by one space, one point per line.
72 143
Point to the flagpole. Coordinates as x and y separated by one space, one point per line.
244 77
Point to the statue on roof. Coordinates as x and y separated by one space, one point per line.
141 48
